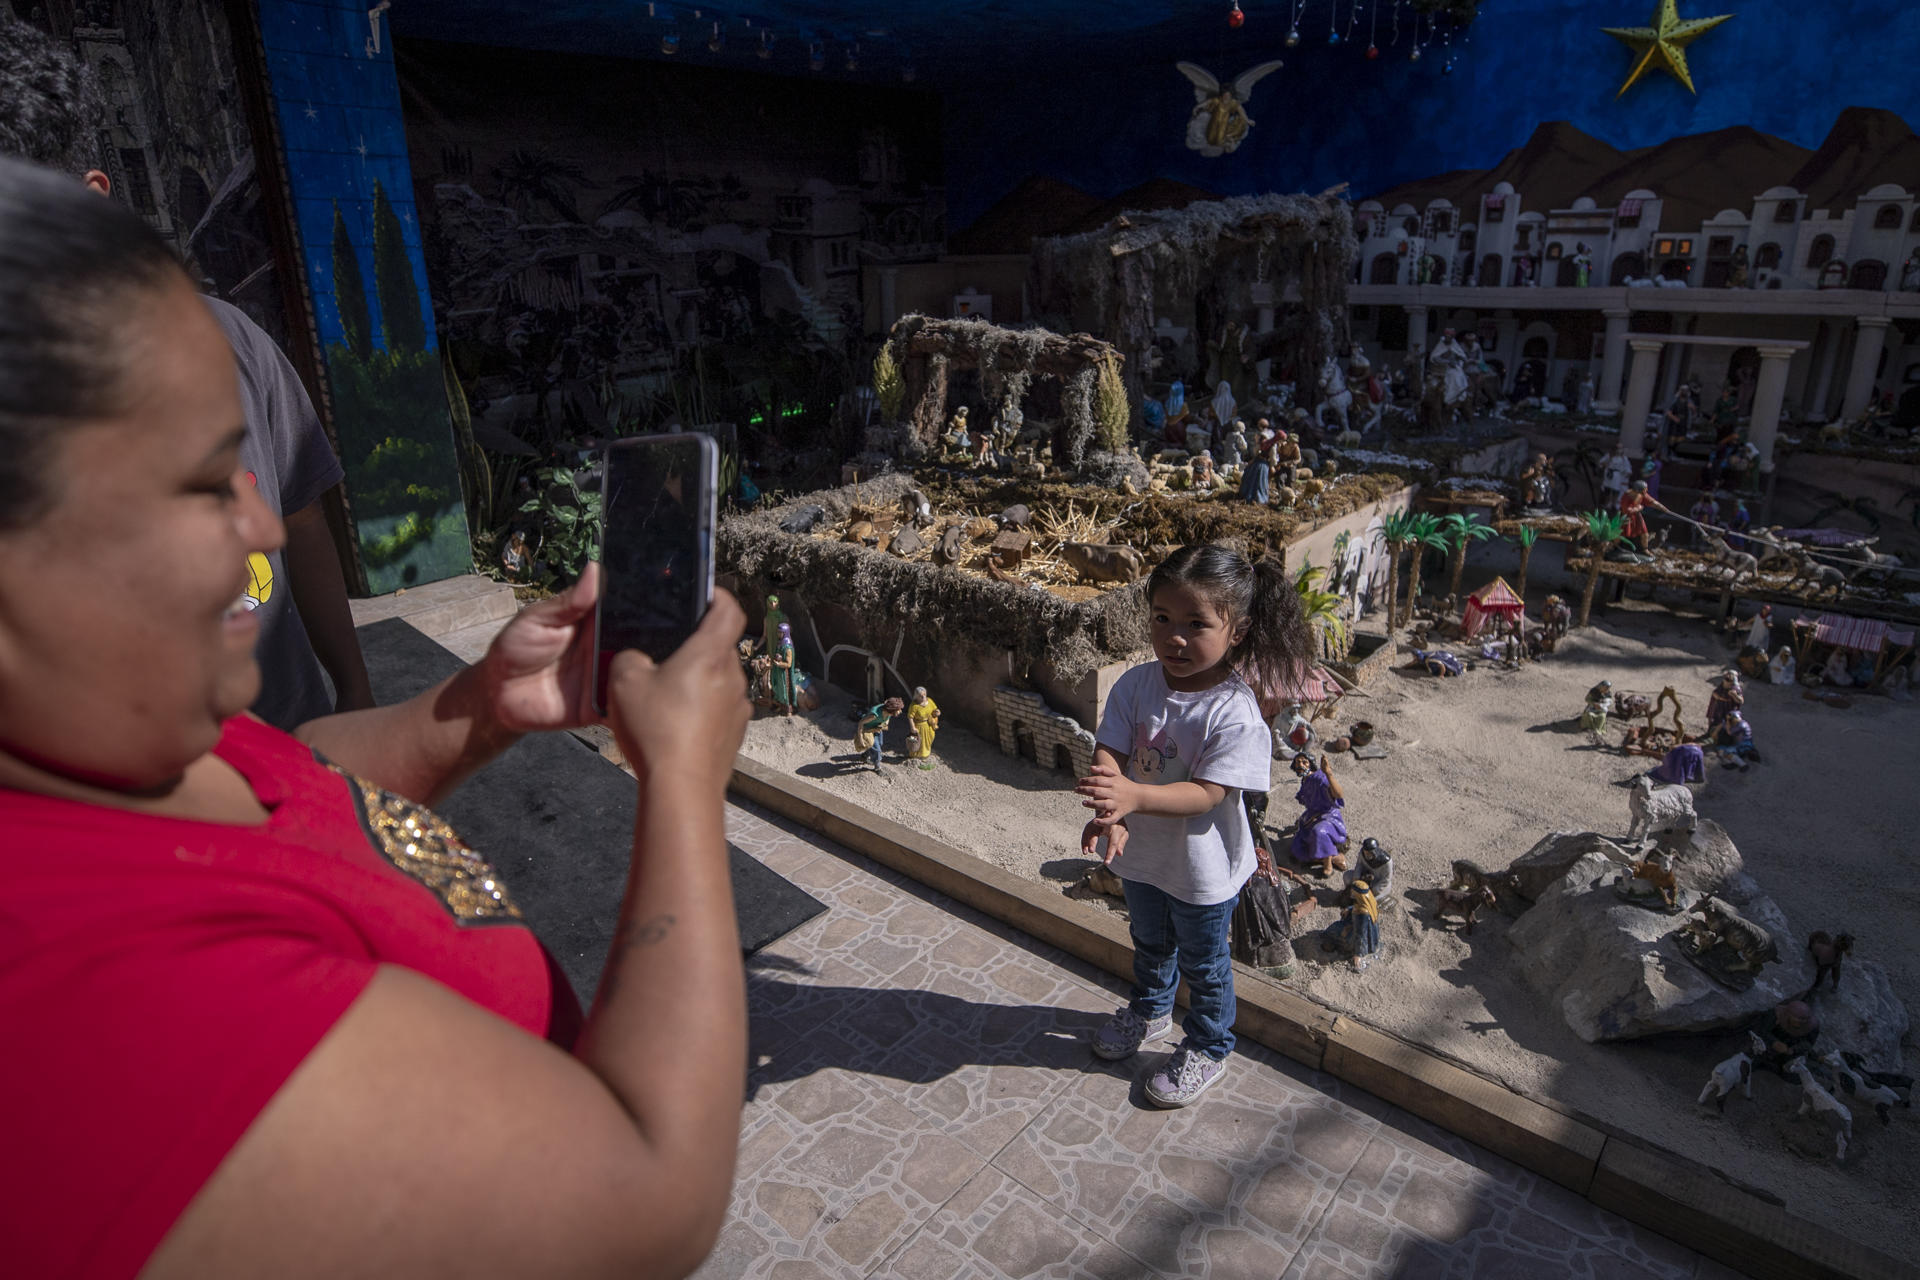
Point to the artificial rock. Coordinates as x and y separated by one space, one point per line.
1615 969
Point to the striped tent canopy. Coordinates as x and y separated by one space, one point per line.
1863 635
1494 598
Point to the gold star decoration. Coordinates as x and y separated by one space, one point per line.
1664 43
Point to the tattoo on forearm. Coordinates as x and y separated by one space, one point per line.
631 938
644 934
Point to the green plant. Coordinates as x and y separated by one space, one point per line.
1322 611
350 291
1460 531
569 520
400 322
1527 536
1604 528
889 387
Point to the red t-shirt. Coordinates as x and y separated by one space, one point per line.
161 978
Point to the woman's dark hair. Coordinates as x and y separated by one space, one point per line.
71 265
1277 650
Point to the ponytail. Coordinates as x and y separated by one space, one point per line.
1276 652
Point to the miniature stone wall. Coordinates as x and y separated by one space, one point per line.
1018 712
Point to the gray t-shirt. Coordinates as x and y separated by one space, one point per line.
1217 736
287 455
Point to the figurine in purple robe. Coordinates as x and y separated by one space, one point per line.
1685 763
1322 828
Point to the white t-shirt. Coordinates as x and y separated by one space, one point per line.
1217 736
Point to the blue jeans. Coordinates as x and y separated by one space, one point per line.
1173 938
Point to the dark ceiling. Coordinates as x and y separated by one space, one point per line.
937 43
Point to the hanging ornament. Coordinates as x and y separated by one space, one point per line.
1293 39
716 42
1373 52
1373 33
764 51
1333 24
1446 68
669 44
1415 55
1235 18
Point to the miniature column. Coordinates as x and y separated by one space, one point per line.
1769 391
1633 415
1416 328
1816 406
1262 297
1867 347
1606 396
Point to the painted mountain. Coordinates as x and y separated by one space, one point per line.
1697 175
1041 207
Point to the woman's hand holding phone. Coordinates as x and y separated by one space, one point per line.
539 669
685 716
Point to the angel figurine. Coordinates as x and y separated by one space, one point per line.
1220 122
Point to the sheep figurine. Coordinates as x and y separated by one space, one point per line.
1736 1071
1902 1085
1658 810
1821 1103
1879 1096
1348 439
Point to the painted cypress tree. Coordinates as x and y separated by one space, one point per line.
349 290
393 284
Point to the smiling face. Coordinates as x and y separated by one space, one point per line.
124 640
1192 636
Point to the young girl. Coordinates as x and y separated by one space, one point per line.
1182 737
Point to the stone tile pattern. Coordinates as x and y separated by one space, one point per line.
923 1105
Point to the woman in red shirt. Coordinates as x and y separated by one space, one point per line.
267 1015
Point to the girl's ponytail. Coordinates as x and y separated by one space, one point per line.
1277 651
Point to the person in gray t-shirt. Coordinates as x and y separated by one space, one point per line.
298 591
306 632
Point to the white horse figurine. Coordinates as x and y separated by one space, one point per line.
1334 395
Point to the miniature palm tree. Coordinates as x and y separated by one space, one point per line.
1426 534
1459 531
1527 536
1397 532
1322 610
889 387
1605 528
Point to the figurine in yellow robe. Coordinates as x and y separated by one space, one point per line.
923 714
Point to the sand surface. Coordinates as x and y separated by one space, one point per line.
1481 767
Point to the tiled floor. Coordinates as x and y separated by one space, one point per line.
924 1105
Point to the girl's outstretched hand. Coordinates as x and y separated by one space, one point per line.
1116 837
1109 793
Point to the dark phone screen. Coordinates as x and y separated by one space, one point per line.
655 554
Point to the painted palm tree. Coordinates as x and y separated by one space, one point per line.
1322 610
1527 537
1426 535
1397 532
1604 528
1460 532
527 179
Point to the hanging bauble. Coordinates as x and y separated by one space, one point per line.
1333 37
1235 18
1446 68
1293 38
1373 52
1415 55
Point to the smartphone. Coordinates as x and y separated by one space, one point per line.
658 498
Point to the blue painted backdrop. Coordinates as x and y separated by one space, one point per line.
338 106
1115 115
